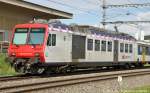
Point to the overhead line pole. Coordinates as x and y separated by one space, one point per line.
104 13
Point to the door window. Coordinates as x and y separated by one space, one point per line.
51 40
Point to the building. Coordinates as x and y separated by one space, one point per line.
18 11
147 37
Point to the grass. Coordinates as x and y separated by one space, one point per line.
147 64
145 89
5 68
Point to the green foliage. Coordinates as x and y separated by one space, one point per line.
145 89
5 68
147 65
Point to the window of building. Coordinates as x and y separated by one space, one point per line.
97 45
130 48
126 48
121 47
51 40
90 44
109 46
103 46
1 36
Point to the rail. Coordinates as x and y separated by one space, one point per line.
43 83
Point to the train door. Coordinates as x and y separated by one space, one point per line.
78 47
116 42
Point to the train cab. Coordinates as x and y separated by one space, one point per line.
28 43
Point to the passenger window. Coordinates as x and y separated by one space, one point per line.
90 44
126 48
109 46
97 45
140 50
121 47
148 50
103 46
51 40
130 48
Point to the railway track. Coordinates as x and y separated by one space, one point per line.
23 76
13 78
51 82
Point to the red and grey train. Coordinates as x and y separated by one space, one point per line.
39 48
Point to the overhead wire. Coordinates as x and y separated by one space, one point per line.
89 12
139 9
72 7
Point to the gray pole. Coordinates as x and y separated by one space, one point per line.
104 13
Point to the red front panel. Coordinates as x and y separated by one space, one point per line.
29 50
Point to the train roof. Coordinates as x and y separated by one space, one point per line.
143 42
91 30
83 29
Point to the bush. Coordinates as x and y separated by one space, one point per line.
5 68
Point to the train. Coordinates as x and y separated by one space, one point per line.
57 47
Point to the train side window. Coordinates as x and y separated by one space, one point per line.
109 46
90 44
121 47
126 48
97 45
148 50
103 46
51 40
130 48
140 50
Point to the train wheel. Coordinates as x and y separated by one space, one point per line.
141 65
33 69
72 69
117 67
49 70
126 66
40 70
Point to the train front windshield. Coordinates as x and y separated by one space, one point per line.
29 36
36 36
20 36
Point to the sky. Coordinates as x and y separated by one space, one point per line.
89 12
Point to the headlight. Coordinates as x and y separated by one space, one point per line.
13 54
37 54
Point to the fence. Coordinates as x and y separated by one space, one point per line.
4 46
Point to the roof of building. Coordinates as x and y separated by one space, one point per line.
34 10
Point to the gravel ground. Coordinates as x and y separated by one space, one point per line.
107 86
